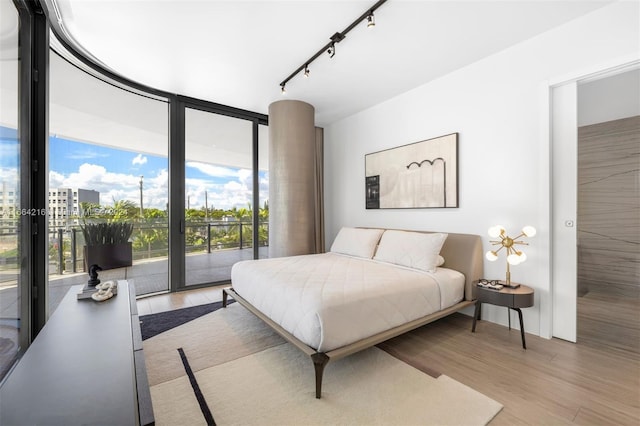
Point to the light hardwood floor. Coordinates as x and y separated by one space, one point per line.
553 382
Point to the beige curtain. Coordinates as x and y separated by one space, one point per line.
319 191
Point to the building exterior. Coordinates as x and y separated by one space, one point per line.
9 199
64 204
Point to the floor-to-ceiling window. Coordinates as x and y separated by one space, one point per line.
80 145
219 196
263 185
109 152
108 164
10 205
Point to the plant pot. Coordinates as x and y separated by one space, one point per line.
108 256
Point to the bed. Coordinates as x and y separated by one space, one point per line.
373 284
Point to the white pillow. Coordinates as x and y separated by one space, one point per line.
440 261
411 249
358 242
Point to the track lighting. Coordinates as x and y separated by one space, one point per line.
283 90
330 47
332 50
371 20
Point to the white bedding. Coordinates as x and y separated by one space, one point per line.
330 300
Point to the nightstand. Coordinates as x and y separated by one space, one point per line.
512 298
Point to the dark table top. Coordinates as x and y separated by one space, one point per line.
79 369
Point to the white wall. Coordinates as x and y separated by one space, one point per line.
610 98
497 108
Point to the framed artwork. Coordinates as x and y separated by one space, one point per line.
419 175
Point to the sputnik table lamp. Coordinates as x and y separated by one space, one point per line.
514 256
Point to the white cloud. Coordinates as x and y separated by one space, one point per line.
139 159
236 192
115 186
211 170
9 177
55 179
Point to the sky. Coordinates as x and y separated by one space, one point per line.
116 175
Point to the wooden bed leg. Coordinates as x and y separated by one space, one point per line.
224 297
319 361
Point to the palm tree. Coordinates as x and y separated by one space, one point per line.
89 210
155 233
263 225
240 215
124 209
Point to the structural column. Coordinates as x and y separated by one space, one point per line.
291 178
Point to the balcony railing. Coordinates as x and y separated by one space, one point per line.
149 241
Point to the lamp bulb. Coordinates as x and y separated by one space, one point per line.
491 256
529 231
495 231
514 259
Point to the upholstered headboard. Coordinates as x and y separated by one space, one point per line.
463 252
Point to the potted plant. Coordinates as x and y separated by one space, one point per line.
107 244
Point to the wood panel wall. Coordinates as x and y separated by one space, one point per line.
609 207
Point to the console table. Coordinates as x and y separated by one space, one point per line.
86 366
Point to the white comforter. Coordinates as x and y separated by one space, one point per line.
330 300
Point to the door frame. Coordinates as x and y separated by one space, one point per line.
558 317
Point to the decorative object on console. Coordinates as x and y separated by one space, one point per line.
90 286
330 47
514 256
105 291
419 175
107 244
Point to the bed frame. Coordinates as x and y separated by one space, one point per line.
462 252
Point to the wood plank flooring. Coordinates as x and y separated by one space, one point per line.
553 382
608 319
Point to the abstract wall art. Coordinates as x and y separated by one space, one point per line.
419 175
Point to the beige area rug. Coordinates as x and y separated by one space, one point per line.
212 339
261 380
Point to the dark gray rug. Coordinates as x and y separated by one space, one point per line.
154 324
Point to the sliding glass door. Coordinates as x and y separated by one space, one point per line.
219 213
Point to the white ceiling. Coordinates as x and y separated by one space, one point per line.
237 52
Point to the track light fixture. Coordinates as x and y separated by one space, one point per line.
371 20
332 50
330 47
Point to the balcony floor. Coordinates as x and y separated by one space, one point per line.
149 276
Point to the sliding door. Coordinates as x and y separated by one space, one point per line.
219 192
